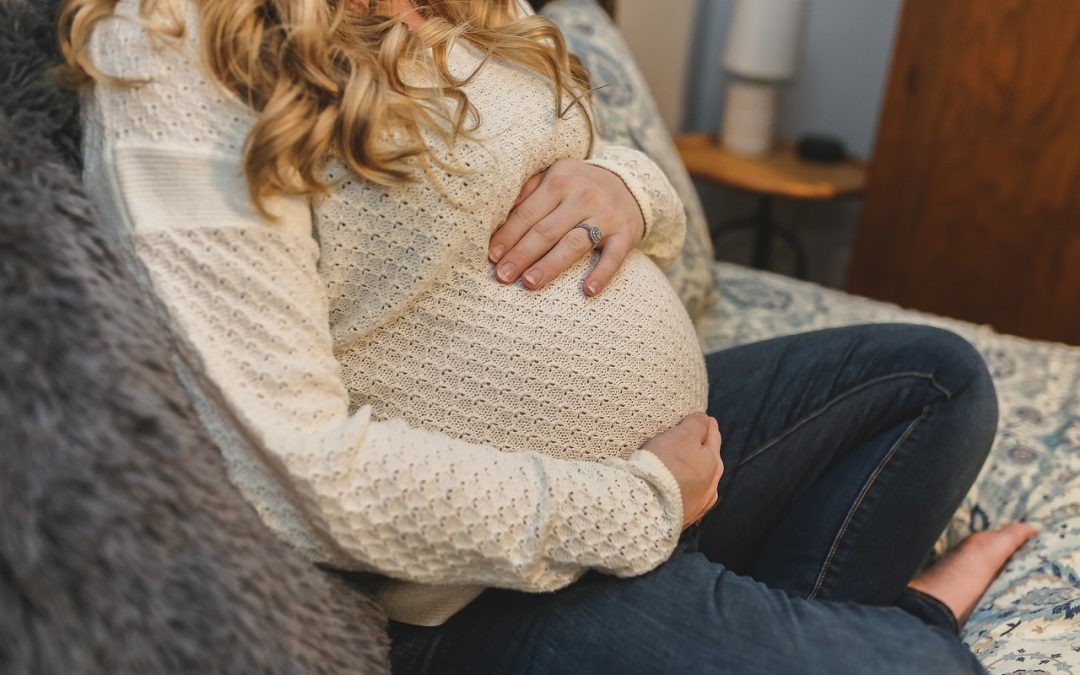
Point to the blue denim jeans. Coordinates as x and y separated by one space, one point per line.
846 451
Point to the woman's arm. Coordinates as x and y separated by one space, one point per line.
246 296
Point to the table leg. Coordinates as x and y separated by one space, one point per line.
765 227
797 247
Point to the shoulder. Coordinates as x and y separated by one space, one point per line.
175 99
131 45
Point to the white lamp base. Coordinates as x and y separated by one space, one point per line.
750 110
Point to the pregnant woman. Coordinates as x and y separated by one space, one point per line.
372 224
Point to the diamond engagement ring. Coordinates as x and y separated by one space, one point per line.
594 233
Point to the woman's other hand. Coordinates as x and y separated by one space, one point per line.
540 239
691 452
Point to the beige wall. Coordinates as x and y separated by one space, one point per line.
659 32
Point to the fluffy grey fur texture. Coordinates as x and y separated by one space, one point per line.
123 546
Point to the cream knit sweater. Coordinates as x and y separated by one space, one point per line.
401 411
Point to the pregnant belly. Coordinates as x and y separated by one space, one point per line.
549 371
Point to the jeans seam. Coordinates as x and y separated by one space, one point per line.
846 525
820 410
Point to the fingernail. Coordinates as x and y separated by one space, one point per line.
591 288
496 252
505 272
533 276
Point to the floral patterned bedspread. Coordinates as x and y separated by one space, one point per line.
1029 621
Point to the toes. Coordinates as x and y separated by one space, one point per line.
1018 533
1029 529
999 544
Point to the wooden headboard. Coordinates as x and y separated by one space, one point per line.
608 5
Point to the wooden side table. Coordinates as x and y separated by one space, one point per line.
778 175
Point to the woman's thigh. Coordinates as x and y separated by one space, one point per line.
688 616
842 448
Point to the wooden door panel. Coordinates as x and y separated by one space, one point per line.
973 203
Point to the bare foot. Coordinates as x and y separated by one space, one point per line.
963 575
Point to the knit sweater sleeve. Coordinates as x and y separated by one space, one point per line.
246 296
661 207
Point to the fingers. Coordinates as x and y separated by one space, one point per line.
712 437
575 244
529 188
704 511
697 426
533 206
1019 532
710 505
538 235
713 443
541 238
614 252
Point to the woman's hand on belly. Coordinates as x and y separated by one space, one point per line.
691 452
540 238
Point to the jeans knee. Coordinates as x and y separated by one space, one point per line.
960 361
961 370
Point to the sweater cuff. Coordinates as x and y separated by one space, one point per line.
635 187
648 467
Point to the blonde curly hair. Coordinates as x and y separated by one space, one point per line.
325 76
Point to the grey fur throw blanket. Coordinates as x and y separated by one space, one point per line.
123 547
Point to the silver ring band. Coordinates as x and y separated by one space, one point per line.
595 235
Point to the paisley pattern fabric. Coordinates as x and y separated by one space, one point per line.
1029 621
627 115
